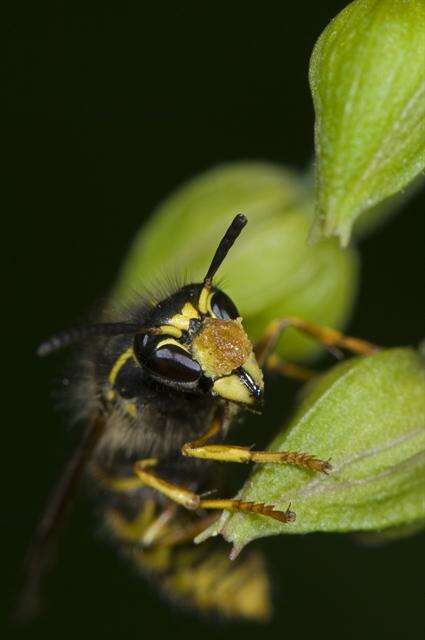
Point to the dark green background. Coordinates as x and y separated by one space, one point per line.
107 110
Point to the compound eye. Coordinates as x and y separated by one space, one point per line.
222 307
168 361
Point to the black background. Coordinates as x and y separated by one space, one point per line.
107 110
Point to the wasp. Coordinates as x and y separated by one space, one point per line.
158 392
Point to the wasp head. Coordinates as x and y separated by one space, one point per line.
198 344
193 341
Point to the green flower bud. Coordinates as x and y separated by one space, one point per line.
270 272
367 78
187 225
368 416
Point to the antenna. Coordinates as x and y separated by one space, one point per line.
225 245
107 329
76 334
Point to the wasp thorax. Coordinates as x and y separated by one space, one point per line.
221 346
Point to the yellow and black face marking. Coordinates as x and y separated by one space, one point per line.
201 346
158 391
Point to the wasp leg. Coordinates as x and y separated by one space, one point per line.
130 530
114 483
275 364
159 526
149 531
41 547
250 507
192 501
233 453
331 338
214 430
174 492
188 533
145 528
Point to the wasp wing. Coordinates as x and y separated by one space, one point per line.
40 549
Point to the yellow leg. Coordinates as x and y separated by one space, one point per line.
181 535
191 500
159 526
274 364
327 336
131 530
146 529
250 507
114 483
210 433
233 453
178 494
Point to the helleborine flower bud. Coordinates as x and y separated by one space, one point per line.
270 271
367 77
368 416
